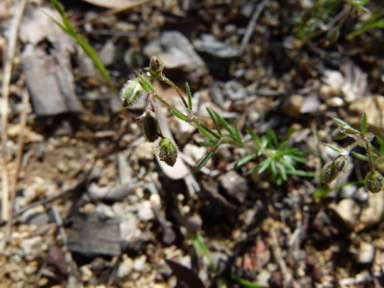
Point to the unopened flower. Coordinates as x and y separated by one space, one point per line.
130 92
167 151
150 126
156 66
374 181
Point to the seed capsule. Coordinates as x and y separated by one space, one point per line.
374 181
341 162
130 92
329 173
150 126
167 151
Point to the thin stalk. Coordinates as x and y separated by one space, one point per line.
194 120
371 166
170 83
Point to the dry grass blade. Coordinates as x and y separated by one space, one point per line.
20 146
10 53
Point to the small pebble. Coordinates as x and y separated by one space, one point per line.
145 214
138 263
366 253
32 247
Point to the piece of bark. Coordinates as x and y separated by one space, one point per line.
47 64
93 234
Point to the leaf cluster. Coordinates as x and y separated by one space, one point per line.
279 158
328 16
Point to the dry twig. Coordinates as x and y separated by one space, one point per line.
10 54
251 25
19 156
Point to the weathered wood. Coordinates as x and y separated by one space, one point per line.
93 234
47 65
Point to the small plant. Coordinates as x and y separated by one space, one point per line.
322 18
279 158
374 157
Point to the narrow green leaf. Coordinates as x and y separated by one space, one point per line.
246 283
201 248
208 144
282 147
302 173
345 126
224 123
179 115
208 134
238 136
298 159
286 164
145 83
324 190
334 148
360 156
244 160
341 123
221 282
254 136
95 58
283 172
288 134
364 124
264 165
214 121
253 170
70 30
67 24
273 169
58 24
287 152
272 139
380 139
205 159
188 91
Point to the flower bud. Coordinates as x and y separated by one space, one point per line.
150 126
374 181
156 65
167 151
333 35
130 92
329 172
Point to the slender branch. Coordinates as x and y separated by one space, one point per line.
4 111
170 83
194 120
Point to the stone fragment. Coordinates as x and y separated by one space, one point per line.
348 211
366 253
235 185
373 211
373 107
32 247
175 50
235 90
107 53
138 263
210 45
125 268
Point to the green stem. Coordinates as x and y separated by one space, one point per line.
170 83
369 153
